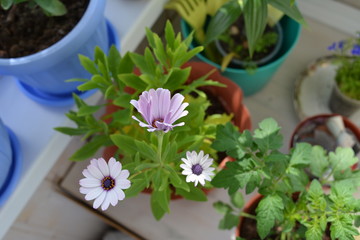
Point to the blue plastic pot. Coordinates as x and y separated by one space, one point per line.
10 162
46 71
252 83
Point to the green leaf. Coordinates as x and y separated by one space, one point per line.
342 228
123 100
88 110
6 4
146 150
222 20
194 194
133 81
158 202
124 142
90 148
176 78
314 232
221 207
229 221
270 208
288 8
169 35
137 185
319 162
126 65
342 158
71 131
301 154
227 140
53 7
237 199
267 136
255 16
145 165
88 64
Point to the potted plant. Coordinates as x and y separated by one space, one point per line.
159 122
345 95
40 48
255 16
290 205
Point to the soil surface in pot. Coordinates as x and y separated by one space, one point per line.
237 34
26 30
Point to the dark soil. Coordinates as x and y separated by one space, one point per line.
239 37
26 30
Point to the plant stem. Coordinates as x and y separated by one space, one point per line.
244 214
160 136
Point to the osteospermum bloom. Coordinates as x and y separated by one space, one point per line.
159 110
197 167
104 182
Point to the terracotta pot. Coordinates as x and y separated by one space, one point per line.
320 121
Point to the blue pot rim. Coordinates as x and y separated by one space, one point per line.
15 169
66 99
90 18
237 70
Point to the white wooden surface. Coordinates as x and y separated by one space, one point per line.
193 220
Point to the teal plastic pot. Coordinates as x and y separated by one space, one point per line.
46 71
253 83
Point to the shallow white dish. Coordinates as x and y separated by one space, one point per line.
313 89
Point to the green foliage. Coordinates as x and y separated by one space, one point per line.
49 7
256 14
291 201
152 159
347 55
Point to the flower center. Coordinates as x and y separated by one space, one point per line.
197 169
108 183
156 120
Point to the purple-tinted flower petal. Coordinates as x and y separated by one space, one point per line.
99 200
115 170
93 194
90 182
113 198
103 167
95 172
105 205
120 193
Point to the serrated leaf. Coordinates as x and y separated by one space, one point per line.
342 228
314 232
301 154
133 81
123 100
222 207
146 150
342 158
229 221
227 140
176 78
270 208
319 162
267 136
237 199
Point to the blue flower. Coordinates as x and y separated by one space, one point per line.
341 44
356 50
332 47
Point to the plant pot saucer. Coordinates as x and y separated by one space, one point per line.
66 99
313 89
15 169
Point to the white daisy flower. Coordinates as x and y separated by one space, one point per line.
104 182
197 167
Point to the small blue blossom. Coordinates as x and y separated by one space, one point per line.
356 50
332 47
341 44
